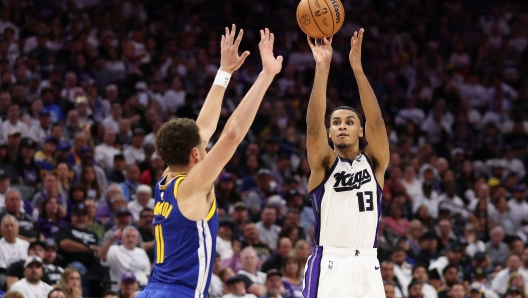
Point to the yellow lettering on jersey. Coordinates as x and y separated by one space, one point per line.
163 208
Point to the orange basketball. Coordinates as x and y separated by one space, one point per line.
320 18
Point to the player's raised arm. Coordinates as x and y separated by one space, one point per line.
320 155
229 62
202 176
376 133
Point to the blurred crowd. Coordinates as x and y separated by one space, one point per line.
86 84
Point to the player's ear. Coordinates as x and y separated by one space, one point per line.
195 155
361 132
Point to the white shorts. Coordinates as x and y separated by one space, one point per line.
344 273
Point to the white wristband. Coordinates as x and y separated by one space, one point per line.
222 78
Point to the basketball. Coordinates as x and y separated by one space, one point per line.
320 18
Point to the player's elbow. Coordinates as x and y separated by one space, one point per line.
232 133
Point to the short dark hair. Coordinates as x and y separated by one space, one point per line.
110 293
55 290
175 140
361 122
146 209
449 267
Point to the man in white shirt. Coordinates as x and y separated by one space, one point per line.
111 122
31 285
126 257
13 123
429 199
223 240
451 201
402 269
39 133
409 113
518 206
104 153
419 273
143 200
12 248
248 258
174 97
267 229
500 281
135 153
237 288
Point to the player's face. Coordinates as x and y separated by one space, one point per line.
345 128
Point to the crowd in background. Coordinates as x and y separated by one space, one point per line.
86 84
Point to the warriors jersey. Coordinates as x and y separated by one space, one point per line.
184 249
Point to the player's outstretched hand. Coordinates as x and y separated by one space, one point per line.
270 64
229 58
355 51
321 50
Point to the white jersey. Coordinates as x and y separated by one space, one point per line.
347 205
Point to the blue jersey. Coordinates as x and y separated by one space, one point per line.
184 250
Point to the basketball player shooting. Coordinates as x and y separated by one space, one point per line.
185 214
346 186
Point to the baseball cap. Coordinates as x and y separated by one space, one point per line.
226 223
479 256
456 151
80 209
36 243
519 187
476 287
225 177
263 172
28 143
235 279
454 247
44 112
138 131
273 272
513 289
240 204
142 188
276 201
128 276
479 271
63 145
50 140
50 243
122 211
13 131
32 259
292 193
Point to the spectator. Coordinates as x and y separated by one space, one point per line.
224 239
12 248
122 218
93 225
25 164
135 154
500 281
31 285
131 182
116 173
249 259
40 132
452 257
56 293
106 152
126 257
267 230
497 249
291 268
128 285
284 247
25 222
517 280
114 199
87 160
13 123
419 273
415 289
450 281
110 294
70 283
274 285
513 292
387 275
389 289
144 200
237 288
89 179
53 272
50 189
146 231
402 269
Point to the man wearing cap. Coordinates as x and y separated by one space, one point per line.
500 281
122 218
15 272
76 244
257 198
53 272
135 153
126 257
44 159
452 257
55 110
116 173
295 200
237 288
240 218
13 144
131 182
518 206
31 285
26 165
13 123
128 285
39 133
87 159
274 285
143 200
224 239
105 152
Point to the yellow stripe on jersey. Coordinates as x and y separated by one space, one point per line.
160 245
212 210
177 184
164 186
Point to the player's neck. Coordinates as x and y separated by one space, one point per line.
178 170
349 152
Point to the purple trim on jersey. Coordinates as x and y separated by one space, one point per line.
313 271
380 193
317 199
372 167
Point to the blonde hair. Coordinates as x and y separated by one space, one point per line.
13 294
513 276
63 282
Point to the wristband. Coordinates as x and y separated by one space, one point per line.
222 78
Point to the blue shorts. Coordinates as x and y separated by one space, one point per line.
157 290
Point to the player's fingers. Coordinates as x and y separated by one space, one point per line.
361 33
222 41
239 38
244 56
267 34
272 40
261 36
325 41
233 32
330 39
310 43
227 35
280 59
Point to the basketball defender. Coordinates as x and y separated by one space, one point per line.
185 214
345 186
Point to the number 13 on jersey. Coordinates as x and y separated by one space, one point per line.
365 198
